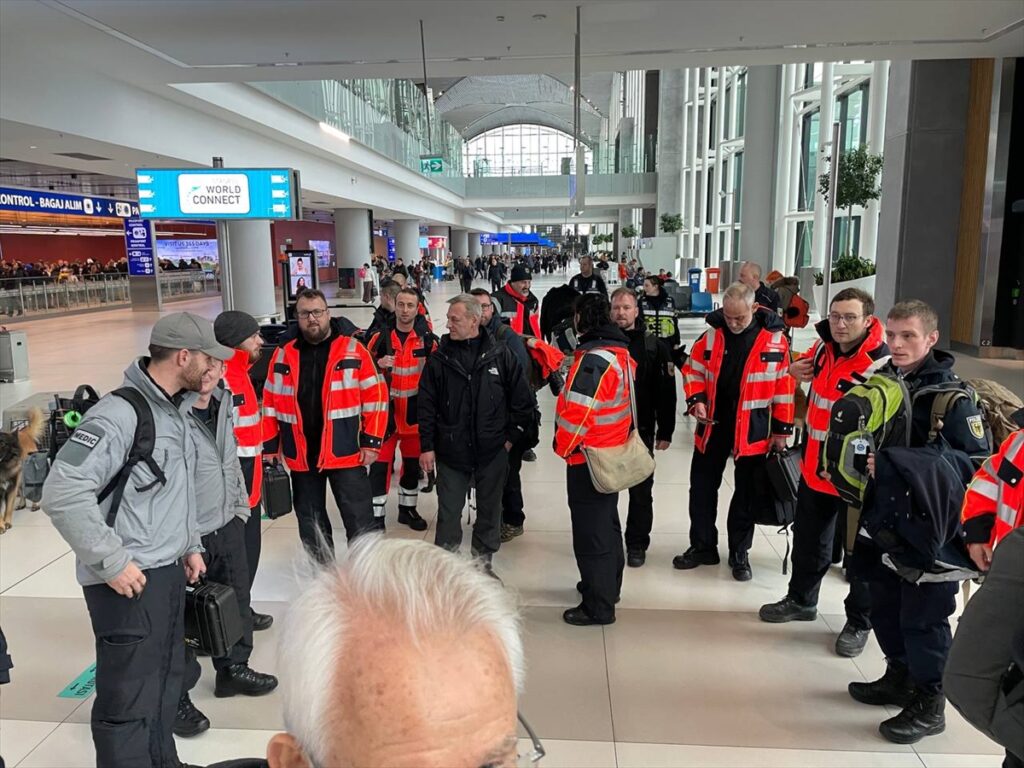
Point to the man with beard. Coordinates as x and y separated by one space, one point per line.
326 410
134 530
241 332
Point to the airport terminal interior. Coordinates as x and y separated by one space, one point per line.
682 137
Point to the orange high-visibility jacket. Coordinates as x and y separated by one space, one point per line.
766 389
247 418
404 377
593 408
994 504
355 401
834 374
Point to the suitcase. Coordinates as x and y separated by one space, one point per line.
213 622
277 491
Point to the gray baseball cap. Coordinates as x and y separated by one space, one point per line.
183 330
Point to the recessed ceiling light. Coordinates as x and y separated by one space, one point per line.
539 16
499 18
33 146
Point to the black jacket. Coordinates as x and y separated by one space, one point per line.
592 284
767 298
466 417
655 386
556 306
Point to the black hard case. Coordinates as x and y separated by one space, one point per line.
213 622
277 491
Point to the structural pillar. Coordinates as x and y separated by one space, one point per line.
671 143
922 184
828 97
761 139
249 251
352 237
473 244
460 244
407 240
877 93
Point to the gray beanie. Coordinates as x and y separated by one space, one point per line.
233 327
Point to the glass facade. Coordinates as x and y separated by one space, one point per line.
521 150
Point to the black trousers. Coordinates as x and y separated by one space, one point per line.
706 471
467 285
253 529
140 657
495 285
596 542
813 537
512 493
351 489
452 489
911 621
640 518
225 564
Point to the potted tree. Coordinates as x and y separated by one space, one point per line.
629 232
671 223
857 185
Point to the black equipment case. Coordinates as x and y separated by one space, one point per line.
213 621
277 491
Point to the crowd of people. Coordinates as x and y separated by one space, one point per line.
341 404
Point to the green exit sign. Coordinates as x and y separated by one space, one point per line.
432 164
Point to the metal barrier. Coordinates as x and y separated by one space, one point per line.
47 296
191 284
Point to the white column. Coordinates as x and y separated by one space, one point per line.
878 92
473 244
352 237
693 135
781 259
828 96
252 269
716 198
705 132
796 161
460 244
407 240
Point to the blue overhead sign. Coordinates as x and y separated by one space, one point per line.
38 201
138 244
218 193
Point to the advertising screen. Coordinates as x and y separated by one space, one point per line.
323 252
217 193
301 271
203 250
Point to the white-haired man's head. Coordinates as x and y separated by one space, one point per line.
750 274
403 655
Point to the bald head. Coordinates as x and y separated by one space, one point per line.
750 274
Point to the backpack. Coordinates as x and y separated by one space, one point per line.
141 450
998 404
873 414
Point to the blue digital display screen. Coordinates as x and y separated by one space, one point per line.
217 193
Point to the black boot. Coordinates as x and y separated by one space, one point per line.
409 516
189 721
261 621
740 564
241 679
925 716
894 687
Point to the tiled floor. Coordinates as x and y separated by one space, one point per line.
687 676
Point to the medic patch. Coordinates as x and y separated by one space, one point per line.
81 444
88 439
977 426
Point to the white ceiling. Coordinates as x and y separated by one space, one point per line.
247 40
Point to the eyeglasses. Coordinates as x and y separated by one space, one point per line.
844 319
536 754
316 314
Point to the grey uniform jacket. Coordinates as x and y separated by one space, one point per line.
153 527
220 487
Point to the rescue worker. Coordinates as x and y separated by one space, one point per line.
655 410
222 505
512 516
474 405
594 411
911 620
851 345
738 389
241 332
516 305
401 354
766 298
130 556
987 646
658 311
326 409
588 281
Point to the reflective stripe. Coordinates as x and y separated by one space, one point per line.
1007 514
580 399
817 434
783 399
373 381
406 497
697 366
279 388
709 345
402 370
343 413
1015 448
567 425
288 418
763 377
985 488
248 421
402 394
269 412
253 450
754 405
371 407
612 418
821 402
